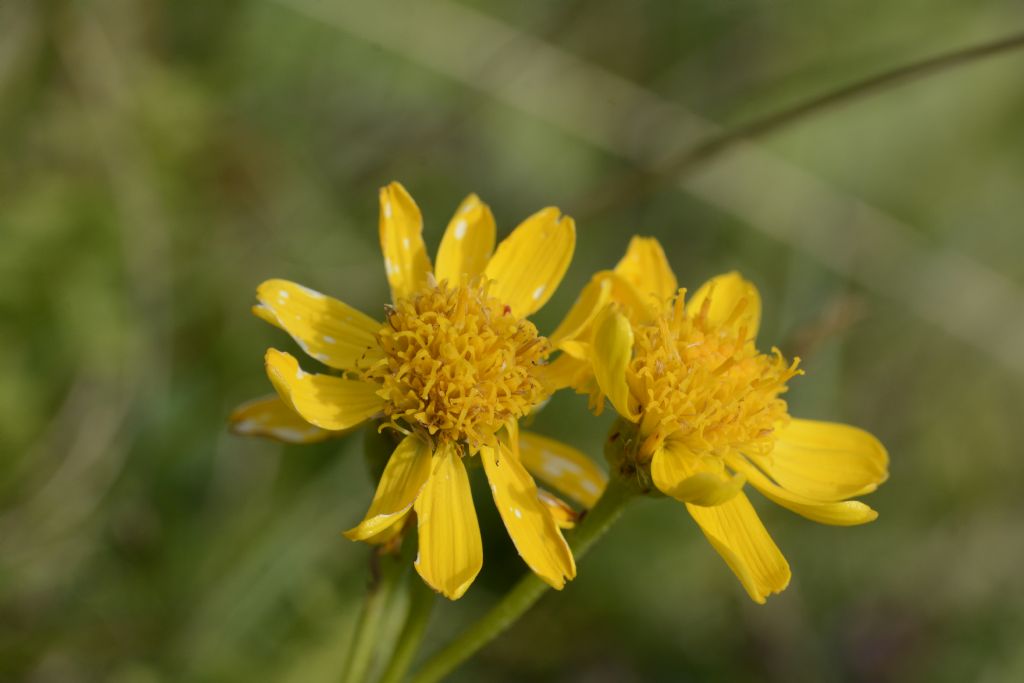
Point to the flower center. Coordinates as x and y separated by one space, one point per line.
458 364
706 384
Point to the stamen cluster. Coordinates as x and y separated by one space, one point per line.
458 364
706 384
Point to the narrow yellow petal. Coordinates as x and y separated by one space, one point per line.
639 308
529 264
682 474
564 371
394 528
330 331
836 513
329 402
403 478
645 267
612 352
270 417
401 240
826 461
528 521
565 517
736 532
563 468
592 299
467 243
733 300
450 554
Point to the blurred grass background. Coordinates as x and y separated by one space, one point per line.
160 159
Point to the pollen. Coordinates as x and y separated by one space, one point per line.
457 365
706 384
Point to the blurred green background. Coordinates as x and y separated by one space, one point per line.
159 159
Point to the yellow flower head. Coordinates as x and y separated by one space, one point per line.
705 412
457 363
452 367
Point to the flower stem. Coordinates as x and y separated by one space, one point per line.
528 590
378 595
421 602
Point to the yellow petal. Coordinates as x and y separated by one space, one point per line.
563 468
611 354
580 350
404 475
564 371
528 521
401 239
529 264
329 402
841 513
639 308
330 331
645 267
576 324
390 532
565 517
270 417
733 300
450 554
684 475
826 461
467 243
738 535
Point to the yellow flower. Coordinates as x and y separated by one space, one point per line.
705 412
452 368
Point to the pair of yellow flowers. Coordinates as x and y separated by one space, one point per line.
455 364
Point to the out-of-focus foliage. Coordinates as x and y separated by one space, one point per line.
160 159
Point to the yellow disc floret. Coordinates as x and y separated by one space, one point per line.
705 383
457 364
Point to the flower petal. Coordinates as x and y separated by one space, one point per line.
389 533
611 354
645 267
727 292
404 476
270 417
401 239
592 299
332 332
841 513
826 461
684 475
329 402
563 468
529 264
528 521
738 535
564 371
450 554
565 517
467 243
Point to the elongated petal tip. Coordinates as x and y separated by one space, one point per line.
529 264
332 403
612 351
450 550
270 417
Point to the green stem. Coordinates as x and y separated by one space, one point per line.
378 595
528 590
633 185
421 602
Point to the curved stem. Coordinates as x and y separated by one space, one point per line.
378 595
421 602
528 590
